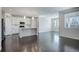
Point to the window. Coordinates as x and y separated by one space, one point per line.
72 20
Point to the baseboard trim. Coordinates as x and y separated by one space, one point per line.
68 37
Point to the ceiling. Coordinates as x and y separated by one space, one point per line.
33 11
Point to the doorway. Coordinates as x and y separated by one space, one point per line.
55 24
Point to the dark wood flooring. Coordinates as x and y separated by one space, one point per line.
26 44
45 42
52 42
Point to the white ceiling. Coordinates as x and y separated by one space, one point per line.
33 11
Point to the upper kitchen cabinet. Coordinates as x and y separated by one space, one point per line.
34 22
30 22
27 21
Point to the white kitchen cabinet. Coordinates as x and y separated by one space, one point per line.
15 21
30 28
34 23
27 23
12 26
8 26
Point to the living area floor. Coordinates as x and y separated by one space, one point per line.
44 42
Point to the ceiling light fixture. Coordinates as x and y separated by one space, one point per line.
32 17
24 17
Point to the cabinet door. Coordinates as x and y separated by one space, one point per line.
8 26
15 20
33 25
27 23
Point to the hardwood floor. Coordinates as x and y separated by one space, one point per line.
26 44
52 42
45 42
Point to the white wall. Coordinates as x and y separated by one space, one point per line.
70 33
0 26
55 27
55 17
44 24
